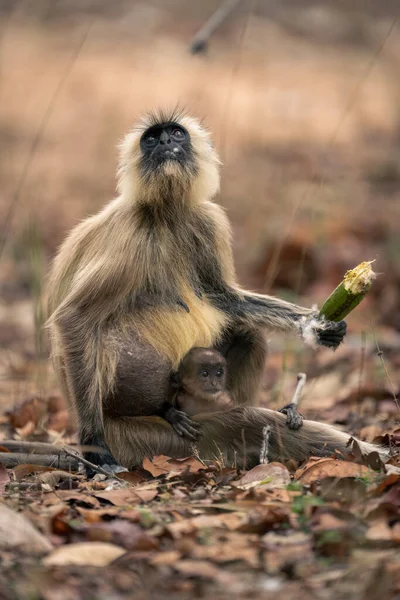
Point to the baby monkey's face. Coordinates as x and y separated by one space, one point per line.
203 372
211 377
206 379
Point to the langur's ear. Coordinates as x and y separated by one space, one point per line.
175 379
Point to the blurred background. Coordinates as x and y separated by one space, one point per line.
303 101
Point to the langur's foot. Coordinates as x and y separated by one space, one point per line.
183 425
113 469
294 420
101 458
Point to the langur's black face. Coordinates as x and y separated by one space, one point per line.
166 142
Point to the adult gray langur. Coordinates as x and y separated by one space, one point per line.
134 288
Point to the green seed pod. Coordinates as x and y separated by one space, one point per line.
348 294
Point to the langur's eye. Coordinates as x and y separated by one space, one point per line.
220 372
204 374
150 140
178 134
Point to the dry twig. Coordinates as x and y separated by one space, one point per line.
265 445
301 380
200 40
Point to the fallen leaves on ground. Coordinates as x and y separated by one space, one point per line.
217 528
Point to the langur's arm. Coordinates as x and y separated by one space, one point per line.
278 314
258 310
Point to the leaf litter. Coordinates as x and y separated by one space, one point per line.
225 530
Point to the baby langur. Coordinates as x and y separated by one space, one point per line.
201 388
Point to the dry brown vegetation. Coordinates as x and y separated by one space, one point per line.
303 100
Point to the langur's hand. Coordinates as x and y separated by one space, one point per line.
318 331
183 425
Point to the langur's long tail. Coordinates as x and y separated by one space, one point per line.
234 436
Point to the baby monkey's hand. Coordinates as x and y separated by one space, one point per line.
183 425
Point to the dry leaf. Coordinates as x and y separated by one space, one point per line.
26 431
166 558
78 498
164 465
188 526
286 550
96 516
146 495
17 533
29 411
231 548
325 521
387 505
263 518
379 531
59 523
56 404
396 532
61 421
94 554
121 497
123 533
21 471
391 479
131 477
54 478
319 468
205 570
269 476
158 466
186 465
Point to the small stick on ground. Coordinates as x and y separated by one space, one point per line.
34 447
13 459
265 445
46 455
200 40
301 380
